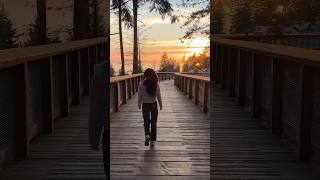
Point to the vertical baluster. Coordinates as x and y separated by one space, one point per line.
276 104
116 96
306 107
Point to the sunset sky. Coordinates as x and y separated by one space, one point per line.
157 36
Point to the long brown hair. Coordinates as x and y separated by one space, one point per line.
151 81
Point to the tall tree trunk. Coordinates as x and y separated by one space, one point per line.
81 19
95 18
120 36
135 38
41 22
139 66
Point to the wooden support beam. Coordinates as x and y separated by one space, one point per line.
241 72
232 72
190 88
65 87
196 93
21 111
306 106
256 86
48 97
205 97
116 97
276 104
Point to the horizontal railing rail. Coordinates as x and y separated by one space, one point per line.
38 86
279 84
309 41
195 87
123 88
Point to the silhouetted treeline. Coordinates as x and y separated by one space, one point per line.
267 16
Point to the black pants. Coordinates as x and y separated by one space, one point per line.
150 116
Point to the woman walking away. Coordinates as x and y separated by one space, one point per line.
149 93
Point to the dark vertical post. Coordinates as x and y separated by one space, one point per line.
186 86
196 92
116 96
65 93
48 95
21 112
129 88
306 105
232 72
124 97
256 86
205 97
241 77
190 88
276 104
224 67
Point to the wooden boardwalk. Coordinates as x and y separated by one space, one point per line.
182 147
242 148
65 154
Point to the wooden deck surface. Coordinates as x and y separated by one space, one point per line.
242 148
182 147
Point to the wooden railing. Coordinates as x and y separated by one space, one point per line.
279 84
195 87
38 85
123 88
308 41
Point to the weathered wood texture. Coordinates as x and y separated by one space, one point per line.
243 148
66 154
182 147
195 86
278 85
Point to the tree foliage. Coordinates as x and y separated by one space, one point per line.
168 64
197 63
7 32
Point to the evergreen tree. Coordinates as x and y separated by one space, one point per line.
241 20
7 33
217 26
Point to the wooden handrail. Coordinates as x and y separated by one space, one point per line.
300 55
195 77
15 56
122 78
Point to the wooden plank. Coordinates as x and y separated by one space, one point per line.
243 148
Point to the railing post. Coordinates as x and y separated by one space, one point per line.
124 97
129 88
196 92
225 67
241 78
186 86
65 93
48 97
306 106
232 72
256 86
22 111
276 104
116 97
205 97
190 88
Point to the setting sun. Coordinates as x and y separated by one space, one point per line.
198 45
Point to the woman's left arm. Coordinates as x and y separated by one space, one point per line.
159 97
